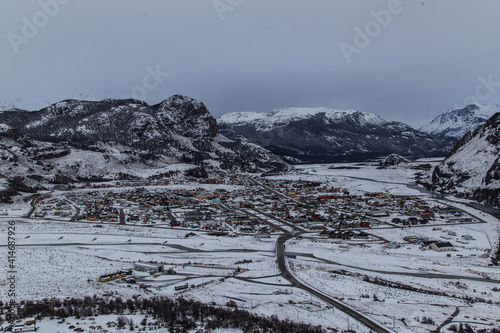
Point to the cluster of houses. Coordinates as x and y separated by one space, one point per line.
178 207
317 207
54 208
225 205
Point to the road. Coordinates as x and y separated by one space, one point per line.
34 201
447 321
274 191
122 216
419 275
34 198
490 210
74 218
173 220
281 259
253 212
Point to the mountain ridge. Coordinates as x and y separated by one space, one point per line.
4 107
322 135
121 139
472 168
455 123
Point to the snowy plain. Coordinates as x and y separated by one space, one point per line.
62 259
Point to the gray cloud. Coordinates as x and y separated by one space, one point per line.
262 55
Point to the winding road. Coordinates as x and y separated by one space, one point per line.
281 256
283 267
281 259
285 272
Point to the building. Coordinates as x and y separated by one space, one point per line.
150 267
197 215
437 246
442 246
365 224
377 213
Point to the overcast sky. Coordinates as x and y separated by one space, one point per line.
404 60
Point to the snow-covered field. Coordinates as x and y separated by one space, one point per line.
61 259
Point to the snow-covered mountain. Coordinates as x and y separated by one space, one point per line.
121 139
4 107
394 160
472 169
131 123
456 122
326 135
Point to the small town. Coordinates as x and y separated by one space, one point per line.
352 244
237 205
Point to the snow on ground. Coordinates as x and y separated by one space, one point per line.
353 170
103 324
387 305
273 299
406 259
93 324
60 259
16 209
358 178
390 305
317 262
61 268
491 229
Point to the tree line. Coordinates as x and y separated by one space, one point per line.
180 315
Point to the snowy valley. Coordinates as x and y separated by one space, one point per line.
113 211
356 233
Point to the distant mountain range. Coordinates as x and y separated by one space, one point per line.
472 169
456 122
321 135
120 139
4 107
77 140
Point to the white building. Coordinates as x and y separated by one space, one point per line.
148 267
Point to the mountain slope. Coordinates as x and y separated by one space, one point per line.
472 169
4 107
324 135
127 122
455 123
121 139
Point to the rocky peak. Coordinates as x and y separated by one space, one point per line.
457 122
190 111
188 106
472 169
177 130
394 160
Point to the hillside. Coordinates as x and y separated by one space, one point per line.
456 122
316 135
121 139
472 169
